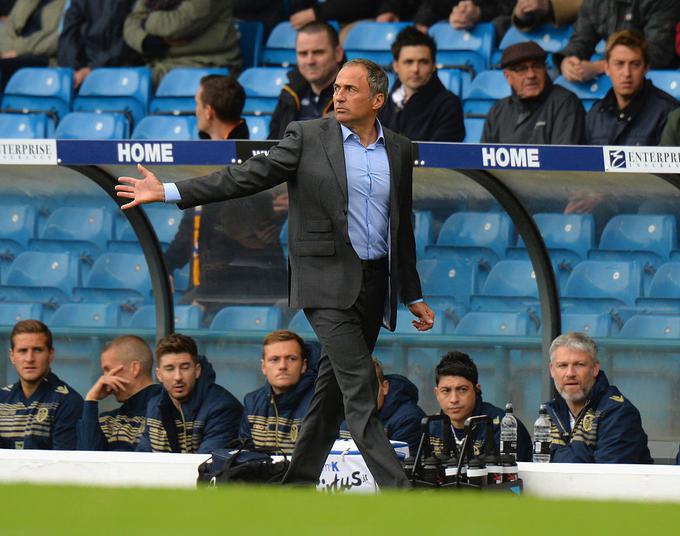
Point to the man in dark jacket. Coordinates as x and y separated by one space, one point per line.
464 14
598 19
92 36
634 111
273 414
460 396
126 362
193 414
344 11
537 111
591 420
419 106
309 91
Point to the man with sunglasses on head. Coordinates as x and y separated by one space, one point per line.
537 111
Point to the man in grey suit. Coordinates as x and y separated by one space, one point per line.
351 252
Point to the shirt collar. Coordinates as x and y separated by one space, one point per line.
346 133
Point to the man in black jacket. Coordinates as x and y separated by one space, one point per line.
309 91
634 111
537 111
419 106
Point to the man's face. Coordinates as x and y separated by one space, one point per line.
457 397
527 79
31 357
282 365
574 374
178 374
352 99
414 67
110 362
203 111
627 69
317 59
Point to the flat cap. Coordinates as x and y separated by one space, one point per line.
528 50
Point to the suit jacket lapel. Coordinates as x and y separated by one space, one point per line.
331 139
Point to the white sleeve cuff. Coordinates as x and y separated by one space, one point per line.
171 193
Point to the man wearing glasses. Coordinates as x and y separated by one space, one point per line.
537 111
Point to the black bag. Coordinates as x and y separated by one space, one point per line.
241 465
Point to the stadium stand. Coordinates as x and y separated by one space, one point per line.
484 90
17 126
372 40
464 48
166 127
176 91
262 86
93 126
588 92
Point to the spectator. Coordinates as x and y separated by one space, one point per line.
192 414
273 413
398 409
530 13
344 11
465 14
460 396
634 111
183 33
591 420
309 91
233 246
537 111
39 411
397 10
599 19
28 37
126 363
419 106
671 132
265 11
92 36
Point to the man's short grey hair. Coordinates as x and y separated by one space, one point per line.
575 341
376 76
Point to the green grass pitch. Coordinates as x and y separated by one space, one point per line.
52 510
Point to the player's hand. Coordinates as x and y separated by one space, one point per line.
148 189
107 384
425 316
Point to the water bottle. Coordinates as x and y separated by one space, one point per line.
509 433
542 437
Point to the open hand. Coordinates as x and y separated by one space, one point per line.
425 316
148 189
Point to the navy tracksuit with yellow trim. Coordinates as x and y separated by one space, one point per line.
117 430
524 445
274 421
608 430
208 420
47 420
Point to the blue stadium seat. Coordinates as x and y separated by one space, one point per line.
495 323
20 126
668 81
510 286
118 278
258 126
486 88
452 277
588 92
186 317
125 90
470 48
92 126
663 293
262 86
423 229
41 276
280 46
17 223
85 315
602 285
300 325
373 41
250 37
176 91
165 220
40 89
474 127
283 238
594 324
248 318
11 313
166 127
551 38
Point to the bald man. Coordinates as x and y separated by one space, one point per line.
126 364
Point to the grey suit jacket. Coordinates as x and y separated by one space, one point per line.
325 271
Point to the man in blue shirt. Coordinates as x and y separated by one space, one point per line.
39 411
126 362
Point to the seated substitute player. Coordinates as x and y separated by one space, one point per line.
126 363
273 413
591 420
460 396
39 411
193 414
398 409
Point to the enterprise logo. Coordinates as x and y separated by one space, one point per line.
617 159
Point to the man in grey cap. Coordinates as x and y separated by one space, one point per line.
537 111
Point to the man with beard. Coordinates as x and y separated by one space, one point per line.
591 420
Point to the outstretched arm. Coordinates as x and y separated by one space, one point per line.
148 189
